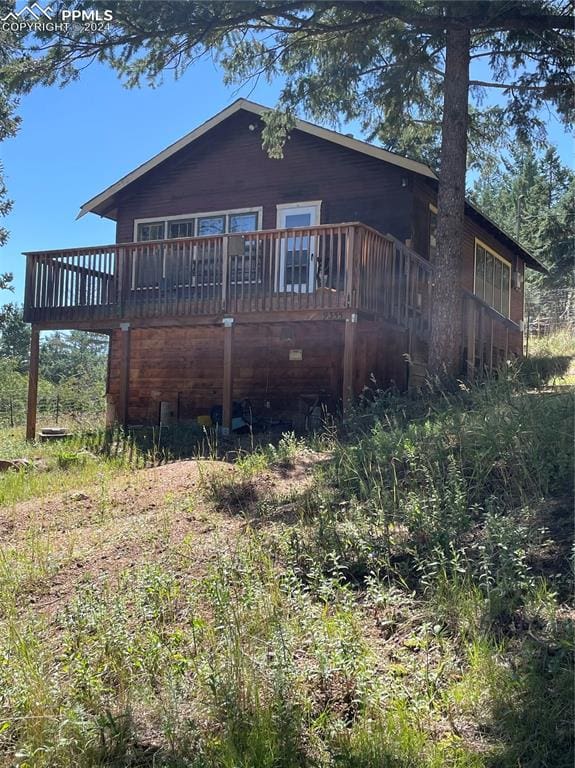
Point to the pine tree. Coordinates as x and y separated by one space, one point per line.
531 195
398 66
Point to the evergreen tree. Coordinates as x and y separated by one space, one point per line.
14 336
398 66
75 355
10 52
532 196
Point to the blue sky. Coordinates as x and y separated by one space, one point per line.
77 140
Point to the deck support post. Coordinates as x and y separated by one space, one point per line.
33 384
227 399
125 335
470 339
491 339
350 334
481 341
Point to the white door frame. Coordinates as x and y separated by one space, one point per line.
313 207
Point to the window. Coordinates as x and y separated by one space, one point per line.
492 278
200 225
181 228
161 264
150 231
211 225
432 250
242 222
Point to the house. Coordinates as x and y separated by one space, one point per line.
286 283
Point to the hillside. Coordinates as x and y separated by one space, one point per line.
393 593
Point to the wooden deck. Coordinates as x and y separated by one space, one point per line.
376 289
324 270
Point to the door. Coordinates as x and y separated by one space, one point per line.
297 259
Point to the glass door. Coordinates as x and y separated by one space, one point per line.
297 259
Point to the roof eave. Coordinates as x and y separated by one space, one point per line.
527 257
94 205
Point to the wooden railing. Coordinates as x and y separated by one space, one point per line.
489 338
328 267
394 282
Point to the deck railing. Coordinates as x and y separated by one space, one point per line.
489 337
327 267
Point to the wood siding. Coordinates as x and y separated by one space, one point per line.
424 194
227 168
184 367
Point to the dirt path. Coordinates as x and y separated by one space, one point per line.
145 516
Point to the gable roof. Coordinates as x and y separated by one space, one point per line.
102 204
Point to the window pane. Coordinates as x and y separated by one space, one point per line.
298 220
181 228
505 290
243 222
297 264
489 278
492 280
497 285
151 231
211 225
432 234
479 271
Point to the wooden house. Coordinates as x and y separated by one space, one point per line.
284 282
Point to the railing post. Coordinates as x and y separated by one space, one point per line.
83 280
29 298
350 268
407 286
122 279
225 267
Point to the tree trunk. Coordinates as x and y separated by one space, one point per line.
445 355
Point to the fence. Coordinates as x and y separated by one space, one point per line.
55 408
550 310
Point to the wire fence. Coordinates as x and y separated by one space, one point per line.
548 311
56 408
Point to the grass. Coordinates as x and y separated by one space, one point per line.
413 609
558 344
52 467
551 358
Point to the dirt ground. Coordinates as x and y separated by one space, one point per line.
145 516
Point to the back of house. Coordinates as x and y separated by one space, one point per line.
291 284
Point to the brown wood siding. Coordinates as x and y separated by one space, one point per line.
184 366
227 169
380 362
423 195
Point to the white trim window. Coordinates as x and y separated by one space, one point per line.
205 224
150 230
157 263
492 280
181 228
